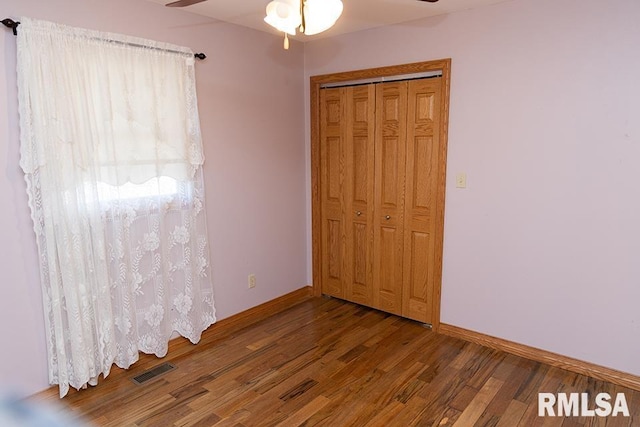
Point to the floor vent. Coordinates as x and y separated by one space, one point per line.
153 373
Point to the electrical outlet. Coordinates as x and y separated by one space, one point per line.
252 281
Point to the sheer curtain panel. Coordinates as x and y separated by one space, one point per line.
112 155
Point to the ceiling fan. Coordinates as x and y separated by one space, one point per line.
306 16
185 3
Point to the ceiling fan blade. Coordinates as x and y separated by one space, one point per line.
429 1
183 3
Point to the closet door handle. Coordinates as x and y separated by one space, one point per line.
388 217
358 213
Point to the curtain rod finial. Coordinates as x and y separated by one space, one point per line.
11 24
200 55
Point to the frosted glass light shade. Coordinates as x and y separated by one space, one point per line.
284 15
320 15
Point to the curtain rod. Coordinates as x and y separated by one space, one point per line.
10 23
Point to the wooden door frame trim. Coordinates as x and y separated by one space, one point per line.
417 67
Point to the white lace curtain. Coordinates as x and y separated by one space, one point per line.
112 155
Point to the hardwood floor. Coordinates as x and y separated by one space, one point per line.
327 362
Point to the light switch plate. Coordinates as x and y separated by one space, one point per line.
461 180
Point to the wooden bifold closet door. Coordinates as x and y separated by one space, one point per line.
379 146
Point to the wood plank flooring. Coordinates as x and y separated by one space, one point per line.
327 362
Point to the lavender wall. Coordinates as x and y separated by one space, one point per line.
543 246
251 96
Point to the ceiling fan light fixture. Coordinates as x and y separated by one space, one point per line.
320 15
310 17
284 15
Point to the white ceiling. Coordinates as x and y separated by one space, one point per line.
357 15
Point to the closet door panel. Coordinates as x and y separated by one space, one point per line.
332 134
358 192
388 222
420 198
